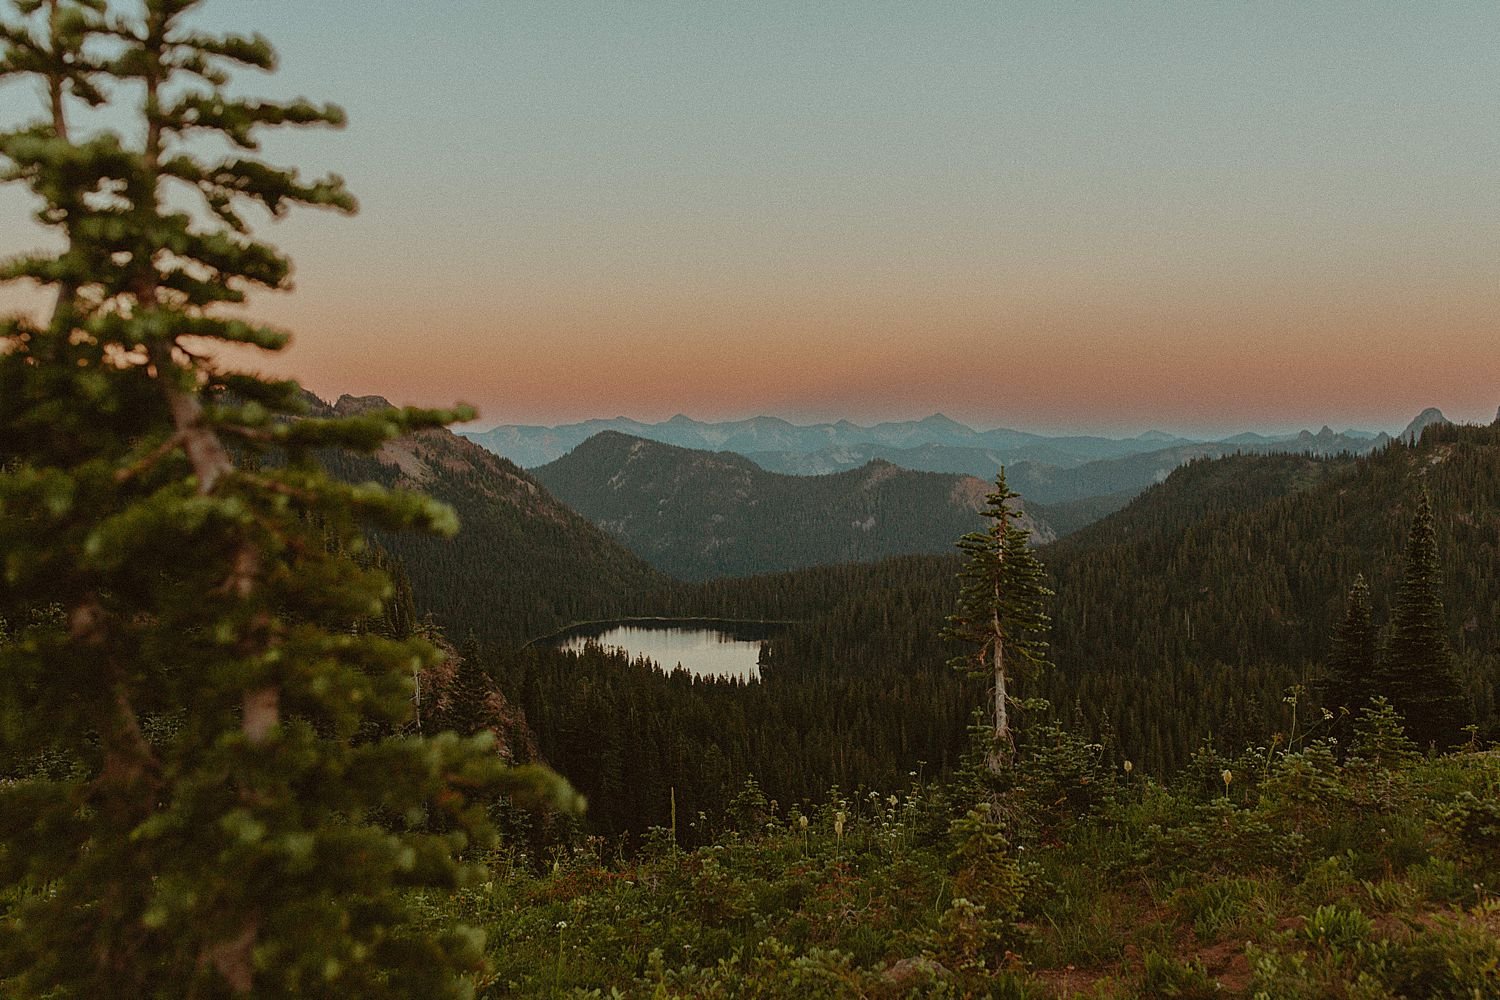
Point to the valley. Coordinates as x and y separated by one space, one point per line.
1067 482
1239 566
1156 726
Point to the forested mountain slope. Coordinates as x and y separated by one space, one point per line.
522 563
1187 615
855 694
698 514
1049 473
1221 586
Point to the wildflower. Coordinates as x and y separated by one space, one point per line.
1228 776
802 822
892 800
1129 767
838 824
562 925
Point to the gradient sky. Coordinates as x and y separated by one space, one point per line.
1104 216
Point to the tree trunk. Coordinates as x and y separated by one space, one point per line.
1000 746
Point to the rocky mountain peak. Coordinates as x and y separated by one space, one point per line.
1428 417
348 406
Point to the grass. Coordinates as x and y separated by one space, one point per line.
1379 887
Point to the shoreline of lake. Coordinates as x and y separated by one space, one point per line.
605 624
704 647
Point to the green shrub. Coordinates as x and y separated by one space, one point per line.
1328 880
1218 906
1454 960
1475 822
1440 880
1336 927
1165 976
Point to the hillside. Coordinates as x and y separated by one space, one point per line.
1054 471
522 563
969 459
1238 568
1306 879
1187 614
698 514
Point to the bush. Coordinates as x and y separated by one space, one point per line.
1337 928
1165 976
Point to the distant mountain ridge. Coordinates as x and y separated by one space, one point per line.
533 445
1070 481
700 514
782 446
1050 482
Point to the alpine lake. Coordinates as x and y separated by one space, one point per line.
704 647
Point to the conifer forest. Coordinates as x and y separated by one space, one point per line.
285 710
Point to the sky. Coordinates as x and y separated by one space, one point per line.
1058 216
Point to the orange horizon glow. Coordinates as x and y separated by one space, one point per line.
1094 219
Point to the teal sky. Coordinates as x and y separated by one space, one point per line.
1102 216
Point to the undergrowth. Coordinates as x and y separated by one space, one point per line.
1362 871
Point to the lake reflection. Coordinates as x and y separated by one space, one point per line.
729 650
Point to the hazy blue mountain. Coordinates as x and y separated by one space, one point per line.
1422 421
1088 475
955 459
532 445
699 514
1061 452
1047 483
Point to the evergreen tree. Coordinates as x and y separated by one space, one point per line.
1001 608
398 619
1418 674
1349 677
467 700
220 832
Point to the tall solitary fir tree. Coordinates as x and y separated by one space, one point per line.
1001 612
1417 673
1349 677
225 829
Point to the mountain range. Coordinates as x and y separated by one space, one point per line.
587 536
778 445
1079 478
1199 603
532 445
1192 611
699 514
